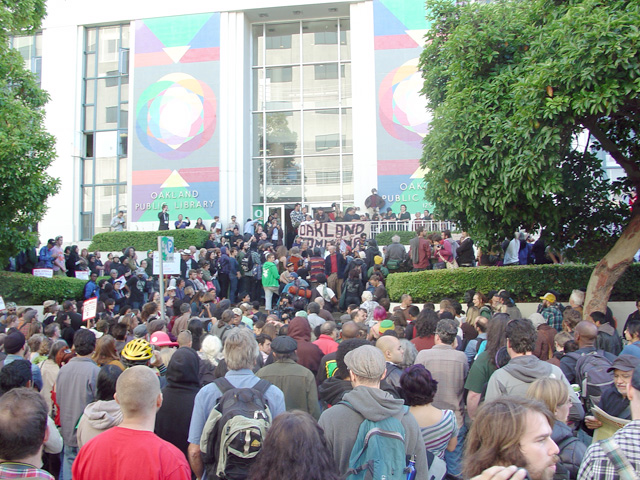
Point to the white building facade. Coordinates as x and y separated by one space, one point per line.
228 108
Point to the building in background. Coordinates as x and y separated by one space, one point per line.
219 108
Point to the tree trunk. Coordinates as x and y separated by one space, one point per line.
612 266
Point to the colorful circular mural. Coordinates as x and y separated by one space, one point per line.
403 111
176 116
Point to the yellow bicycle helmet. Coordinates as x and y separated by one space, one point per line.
137 350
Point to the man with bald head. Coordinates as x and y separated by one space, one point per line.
393 353
328 363
585 335
139 452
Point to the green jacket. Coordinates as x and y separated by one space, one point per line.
270 276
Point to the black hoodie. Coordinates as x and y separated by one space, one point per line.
183 383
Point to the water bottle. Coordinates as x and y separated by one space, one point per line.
411 469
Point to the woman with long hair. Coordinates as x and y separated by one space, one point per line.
311 459
492 357
199 225
105 352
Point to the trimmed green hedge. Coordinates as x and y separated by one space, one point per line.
526 283
384 238
25 289
116 241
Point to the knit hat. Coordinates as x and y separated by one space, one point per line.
366 361
377 260
13 342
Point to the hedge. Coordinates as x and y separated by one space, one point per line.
384 238
116 241
526 283
25 289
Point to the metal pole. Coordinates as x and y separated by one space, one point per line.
161 282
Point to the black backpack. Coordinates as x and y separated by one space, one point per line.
246 263
235 430
592 375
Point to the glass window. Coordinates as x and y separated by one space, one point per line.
301 130
282 44
106 94
282 133
327 48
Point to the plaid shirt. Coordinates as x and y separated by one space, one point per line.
449 368
22 470
553 316
597 466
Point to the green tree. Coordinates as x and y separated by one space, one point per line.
26 149
513 85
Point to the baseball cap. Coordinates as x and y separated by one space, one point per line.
140 331
366 361
236 311
626 363
549 297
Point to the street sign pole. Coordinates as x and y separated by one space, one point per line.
161 282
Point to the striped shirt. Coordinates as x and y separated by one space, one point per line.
437 436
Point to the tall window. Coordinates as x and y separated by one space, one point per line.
31 50
302 140
105 109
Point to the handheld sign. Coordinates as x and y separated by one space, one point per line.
42 272
89 308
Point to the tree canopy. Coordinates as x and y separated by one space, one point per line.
513 86
26 149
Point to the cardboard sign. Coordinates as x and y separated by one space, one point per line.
321 234
42 272
89 308
168 268
83 274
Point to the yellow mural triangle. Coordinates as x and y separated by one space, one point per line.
420 173
174 181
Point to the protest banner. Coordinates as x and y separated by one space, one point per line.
42 272
322 234
89 308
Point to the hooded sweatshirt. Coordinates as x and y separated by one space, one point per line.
515 377
309 355
341 424
183 383
98 417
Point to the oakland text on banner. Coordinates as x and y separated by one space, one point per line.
322 234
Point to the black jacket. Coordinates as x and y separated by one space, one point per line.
183 383
571 449
465 252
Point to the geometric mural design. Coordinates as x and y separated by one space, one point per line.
403 111
176 116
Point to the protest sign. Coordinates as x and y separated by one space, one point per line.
82 274
89 308
322 234
42 272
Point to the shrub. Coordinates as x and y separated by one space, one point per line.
384 238
25 289
116 241
526 283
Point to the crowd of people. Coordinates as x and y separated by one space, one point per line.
220 387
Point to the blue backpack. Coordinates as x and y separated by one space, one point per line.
379 451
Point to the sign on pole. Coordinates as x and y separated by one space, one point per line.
169 267
89 308
167 249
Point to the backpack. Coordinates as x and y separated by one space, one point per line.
246 263
379 450
592 375
235 429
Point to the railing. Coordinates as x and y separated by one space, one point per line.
411 226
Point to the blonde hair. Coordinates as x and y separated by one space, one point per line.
553 392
